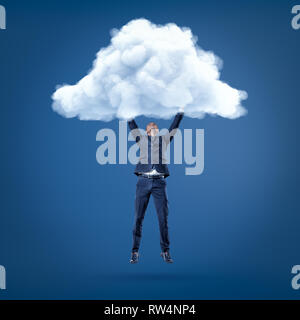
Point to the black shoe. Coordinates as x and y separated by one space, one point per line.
166 256
134 257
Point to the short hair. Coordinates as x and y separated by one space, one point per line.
151 124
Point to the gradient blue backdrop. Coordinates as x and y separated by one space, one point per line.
66 221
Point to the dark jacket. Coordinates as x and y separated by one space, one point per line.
152 149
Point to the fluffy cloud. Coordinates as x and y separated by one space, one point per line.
151 70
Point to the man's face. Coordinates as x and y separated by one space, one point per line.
152 129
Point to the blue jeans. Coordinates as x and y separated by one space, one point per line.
144 188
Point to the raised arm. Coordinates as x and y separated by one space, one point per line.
174 126
176 121
134 130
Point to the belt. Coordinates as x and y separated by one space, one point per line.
151 176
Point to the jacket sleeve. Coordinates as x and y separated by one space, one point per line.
173 128
134 130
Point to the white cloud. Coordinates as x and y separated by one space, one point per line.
150 70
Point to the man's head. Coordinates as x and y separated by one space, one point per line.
152 129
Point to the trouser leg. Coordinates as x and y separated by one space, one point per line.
143 192
159 192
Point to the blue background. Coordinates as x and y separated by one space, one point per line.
66 221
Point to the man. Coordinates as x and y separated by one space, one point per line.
152 170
